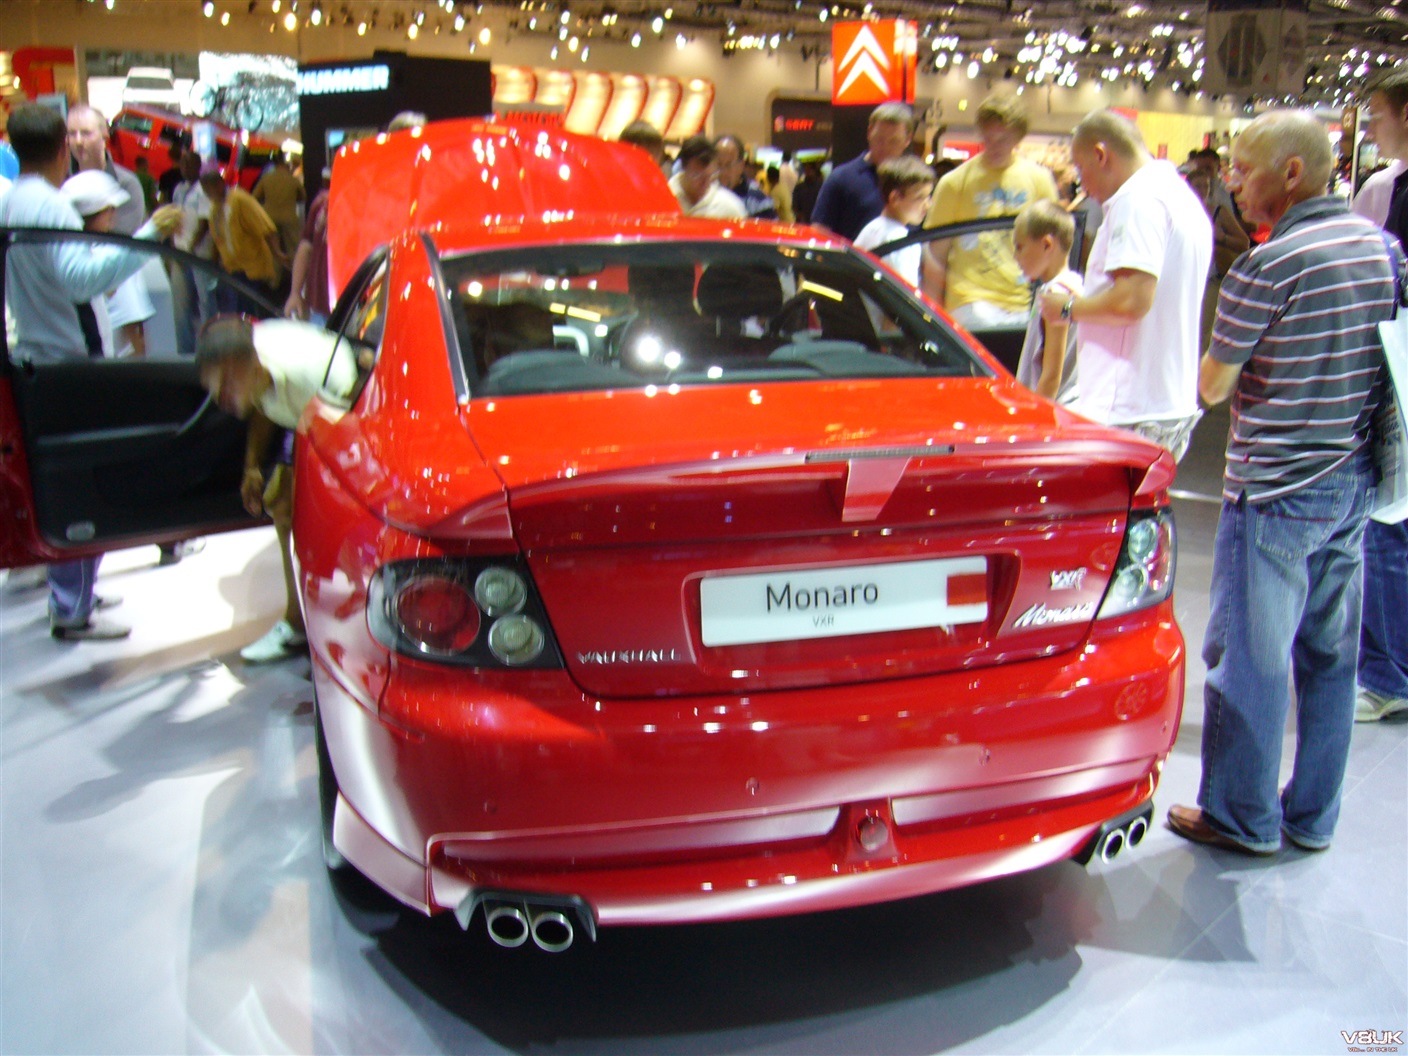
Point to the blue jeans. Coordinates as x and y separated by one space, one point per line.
1383 643
71 591
1287 586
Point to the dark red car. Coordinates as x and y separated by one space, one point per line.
664 570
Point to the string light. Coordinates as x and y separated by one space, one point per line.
1140 46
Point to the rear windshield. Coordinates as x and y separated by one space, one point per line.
573 318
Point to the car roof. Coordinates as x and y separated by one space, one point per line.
467 177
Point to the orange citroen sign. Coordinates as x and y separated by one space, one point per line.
873 62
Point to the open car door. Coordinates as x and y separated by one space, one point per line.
101 454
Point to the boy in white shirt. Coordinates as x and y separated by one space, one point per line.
1041 240
906 184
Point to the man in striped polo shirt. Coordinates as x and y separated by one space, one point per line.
1296 346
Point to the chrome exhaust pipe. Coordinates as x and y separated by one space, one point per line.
552 921
507 924
1116 835
552 931
1135 832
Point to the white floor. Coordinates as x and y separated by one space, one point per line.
162 891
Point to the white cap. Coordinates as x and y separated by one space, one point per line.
93 191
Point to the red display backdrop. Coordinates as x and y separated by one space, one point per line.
873 62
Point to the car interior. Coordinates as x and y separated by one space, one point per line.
679 313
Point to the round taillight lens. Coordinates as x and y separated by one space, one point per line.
437 614
500 591
1143 539
516 639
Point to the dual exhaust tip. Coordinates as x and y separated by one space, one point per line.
1114 841
552 922
511 925
1118 834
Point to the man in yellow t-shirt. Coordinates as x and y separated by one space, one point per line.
246 240
976 276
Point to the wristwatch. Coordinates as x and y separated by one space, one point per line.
1067 307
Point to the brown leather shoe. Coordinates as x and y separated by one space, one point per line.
1189 823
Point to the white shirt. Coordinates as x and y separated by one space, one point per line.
718 203
297 357
43 282
1147 371
883 229
1373 199
195 207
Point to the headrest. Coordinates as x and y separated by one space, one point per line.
500 329
662 283
739 291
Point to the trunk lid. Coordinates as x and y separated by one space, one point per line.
737 539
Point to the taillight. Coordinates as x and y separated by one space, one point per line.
480 613
1143 574
437 613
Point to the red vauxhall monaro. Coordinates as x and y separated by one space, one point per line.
661 570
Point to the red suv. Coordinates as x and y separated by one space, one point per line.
150 132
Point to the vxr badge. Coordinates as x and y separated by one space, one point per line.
1071 579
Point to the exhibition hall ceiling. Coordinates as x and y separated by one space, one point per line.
1325 47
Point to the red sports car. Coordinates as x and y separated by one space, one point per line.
664 570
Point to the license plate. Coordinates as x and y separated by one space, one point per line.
830 602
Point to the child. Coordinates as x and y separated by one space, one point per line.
121 311
905 184
1041 241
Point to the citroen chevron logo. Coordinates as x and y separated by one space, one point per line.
865 58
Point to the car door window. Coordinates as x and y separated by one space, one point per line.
362 320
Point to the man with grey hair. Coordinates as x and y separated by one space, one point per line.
1137 324
1296 346
88 142
850 198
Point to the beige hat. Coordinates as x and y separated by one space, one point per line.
93 191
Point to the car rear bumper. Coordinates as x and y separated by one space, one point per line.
678 810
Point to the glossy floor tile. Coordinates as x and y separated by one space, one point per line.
163 890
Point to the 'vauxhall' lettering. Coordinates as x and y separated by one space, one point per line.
803 599
630 656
